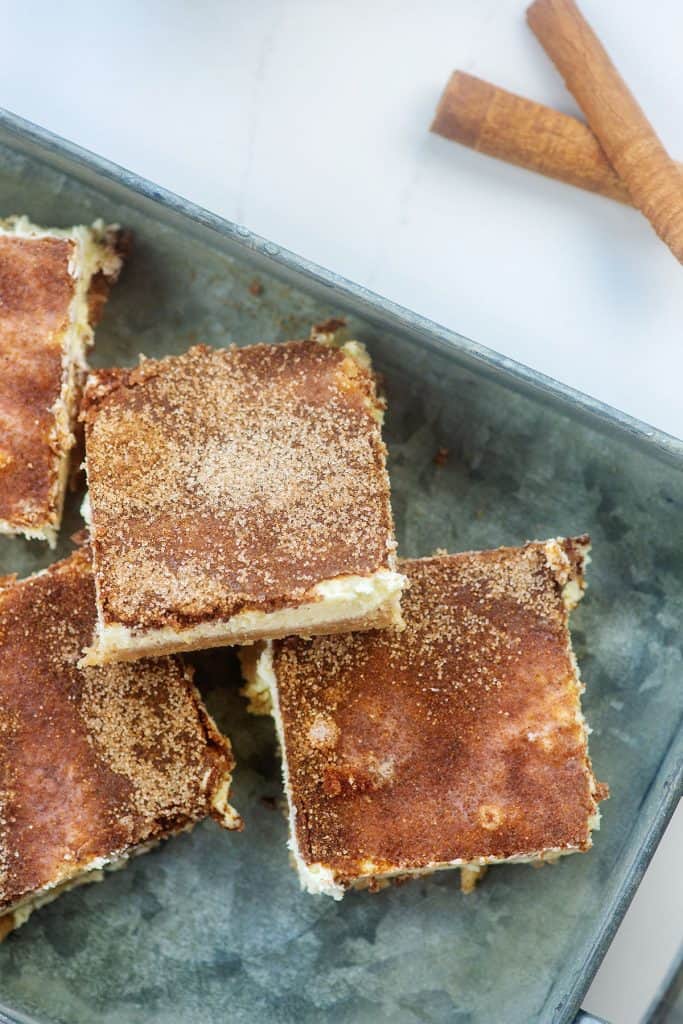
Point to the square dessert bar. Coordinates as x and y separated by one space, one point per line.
237 494
96 765
53 285
456 742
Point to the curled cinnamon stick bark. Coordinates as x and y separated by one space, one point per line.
653 180
519 131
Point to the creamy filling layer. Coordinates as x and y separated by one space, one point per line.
318 878
261 679
343 599
220 804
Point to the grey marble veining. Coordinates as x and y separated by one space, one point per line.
212 926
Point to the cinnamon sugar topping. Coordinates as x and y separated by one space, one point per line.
224 480
459 738
95 762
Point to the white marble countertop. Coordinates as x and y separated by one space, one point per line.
307 121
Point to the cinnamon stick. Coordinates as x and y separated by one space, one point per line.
519 131
653 180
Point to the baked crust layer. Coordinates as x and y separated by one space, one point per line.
95 764
152 644
457 741
224 482
53 285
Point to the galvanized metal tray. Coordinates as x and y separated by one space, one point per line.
213 926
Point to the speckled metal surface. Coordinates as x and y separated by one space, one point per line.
667 1005
212 926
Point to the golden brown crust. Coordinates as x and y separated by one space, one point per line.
230 480
457 738
93 762
36 293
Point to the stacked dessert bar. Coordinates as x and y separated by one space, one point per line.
428 711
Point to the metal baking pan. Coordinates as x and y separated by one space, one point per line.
213 926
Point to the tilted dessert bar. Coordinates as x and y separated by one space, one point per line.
456 742
96 765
